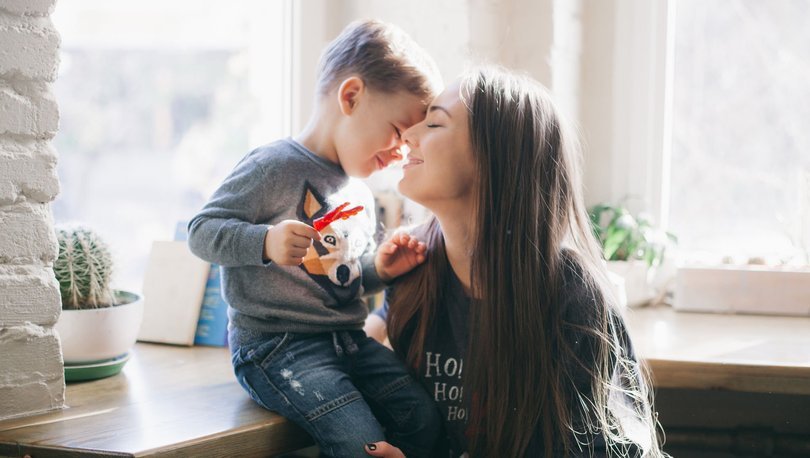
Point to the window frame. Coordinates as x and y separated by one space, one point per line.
641 112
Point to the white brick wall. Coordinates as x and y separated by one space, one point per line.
30 380
27 170
31 371
28 7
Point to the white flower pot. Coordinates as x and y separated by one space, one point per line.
100 334
637 286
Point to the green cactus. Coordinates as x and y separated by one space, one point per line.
83 269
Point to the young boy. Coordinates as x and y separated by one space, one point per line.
296 312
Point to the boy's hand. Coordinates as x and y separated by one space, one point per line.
287 242
398 255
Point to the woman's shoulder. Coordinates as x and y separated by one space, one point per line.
578 290
574 273
585 306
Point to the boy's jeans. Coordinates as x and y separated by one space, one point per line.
343 388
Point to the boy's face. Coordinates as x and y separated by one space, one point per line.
369 137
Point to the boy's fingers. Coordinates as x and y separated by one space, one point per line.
300 241
305 230
290 261
298 253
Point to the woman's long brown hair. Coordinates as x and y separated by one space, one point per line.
529 207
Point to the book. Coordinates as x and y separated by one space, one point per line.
173 289
212 326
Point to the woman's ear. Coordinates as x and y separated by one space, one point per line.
349 94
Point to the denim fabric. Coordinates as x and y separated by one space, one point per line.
343 388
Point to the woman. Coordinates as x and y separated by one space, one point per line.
548 368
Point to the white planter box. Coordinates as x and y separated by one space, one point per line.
636 285
750 289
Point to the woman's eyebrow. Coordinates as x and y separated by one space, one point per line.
438 107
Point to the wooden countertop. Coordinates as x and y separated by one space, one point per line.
168 401
754 353
177 401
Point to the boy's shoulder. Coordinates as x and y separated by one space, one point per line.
288 157
276 153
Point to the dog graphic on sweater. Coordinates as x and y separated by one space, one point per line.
334 261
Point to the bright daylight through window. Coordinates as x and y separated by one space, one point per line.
159 100
740 166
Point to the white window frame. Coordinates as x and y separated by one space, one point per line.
642 88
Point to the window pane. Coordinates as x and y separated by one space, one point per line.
159 100
741 144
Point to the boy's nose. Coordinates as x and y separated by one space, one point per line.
397 153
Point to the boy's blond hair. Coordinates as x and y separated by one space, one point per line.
383 56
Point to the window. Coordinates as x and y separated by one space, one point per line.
159 100
740 151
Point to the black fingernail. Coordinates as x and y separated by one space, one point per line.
372 447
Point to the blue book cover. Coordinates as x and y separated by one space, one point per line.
181 231
212 327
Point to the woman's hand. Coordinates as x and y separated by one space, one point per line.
384 449
398 255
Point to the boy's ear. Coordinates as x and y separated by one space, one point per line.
349 93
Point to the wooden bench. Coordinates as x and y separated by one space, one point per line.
177 401
709 351
168 401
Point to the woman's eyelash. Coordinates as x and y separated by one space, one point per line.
432 125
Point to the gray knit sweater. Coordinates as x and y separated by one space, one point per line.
276 182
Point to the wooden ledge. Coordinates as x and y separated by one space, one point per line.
177 401
751 353
168 401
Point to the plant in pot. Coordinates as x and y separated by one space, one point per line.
632 246
98 325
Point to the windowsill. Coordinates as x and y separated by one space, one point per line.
185 402
167 401
753 353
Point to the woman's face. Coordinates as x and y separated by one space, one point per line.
440 167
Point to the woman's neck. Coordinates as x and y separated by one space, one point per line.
458 241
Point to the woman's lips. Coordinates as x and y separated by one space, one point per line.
412 161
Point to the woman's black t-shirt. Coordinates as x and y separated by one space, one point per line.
444 359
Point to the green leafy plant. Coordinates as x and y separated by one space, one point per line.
83 269
625 237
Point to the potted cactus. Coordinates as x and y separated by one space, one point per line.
98 325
